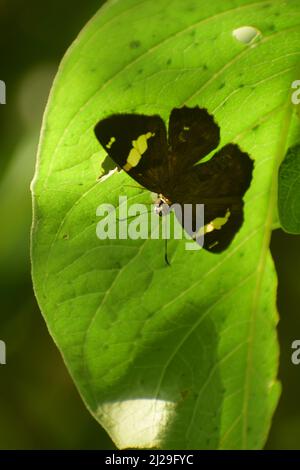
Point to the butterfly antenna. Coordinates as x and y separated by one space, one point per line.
166 252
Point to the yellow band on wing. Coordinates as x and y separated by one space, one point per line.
215 224
139 147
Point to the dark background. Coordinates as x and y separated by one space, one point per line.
39 405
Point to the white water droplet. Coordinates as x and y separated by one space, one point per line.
246 34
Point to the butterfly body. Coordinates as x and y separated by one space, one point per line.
171 167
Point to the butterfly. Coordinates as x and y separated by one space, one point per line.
170 166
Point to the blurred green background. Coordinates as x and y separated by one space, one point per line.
39 405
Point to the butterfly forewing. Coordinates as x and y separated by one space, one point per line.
193 134
137 144
220 185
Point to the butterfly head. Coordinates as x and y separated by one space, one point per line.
162 205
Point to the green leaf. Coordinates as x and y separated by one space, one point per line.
182 356
289 191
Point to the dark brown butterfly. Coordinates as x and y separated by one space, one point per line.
171 165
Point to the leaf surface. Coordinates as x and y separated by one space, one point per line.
181 357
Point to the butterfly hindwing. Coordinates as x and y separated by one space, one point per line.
220 185
227 174
230 172
226 224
